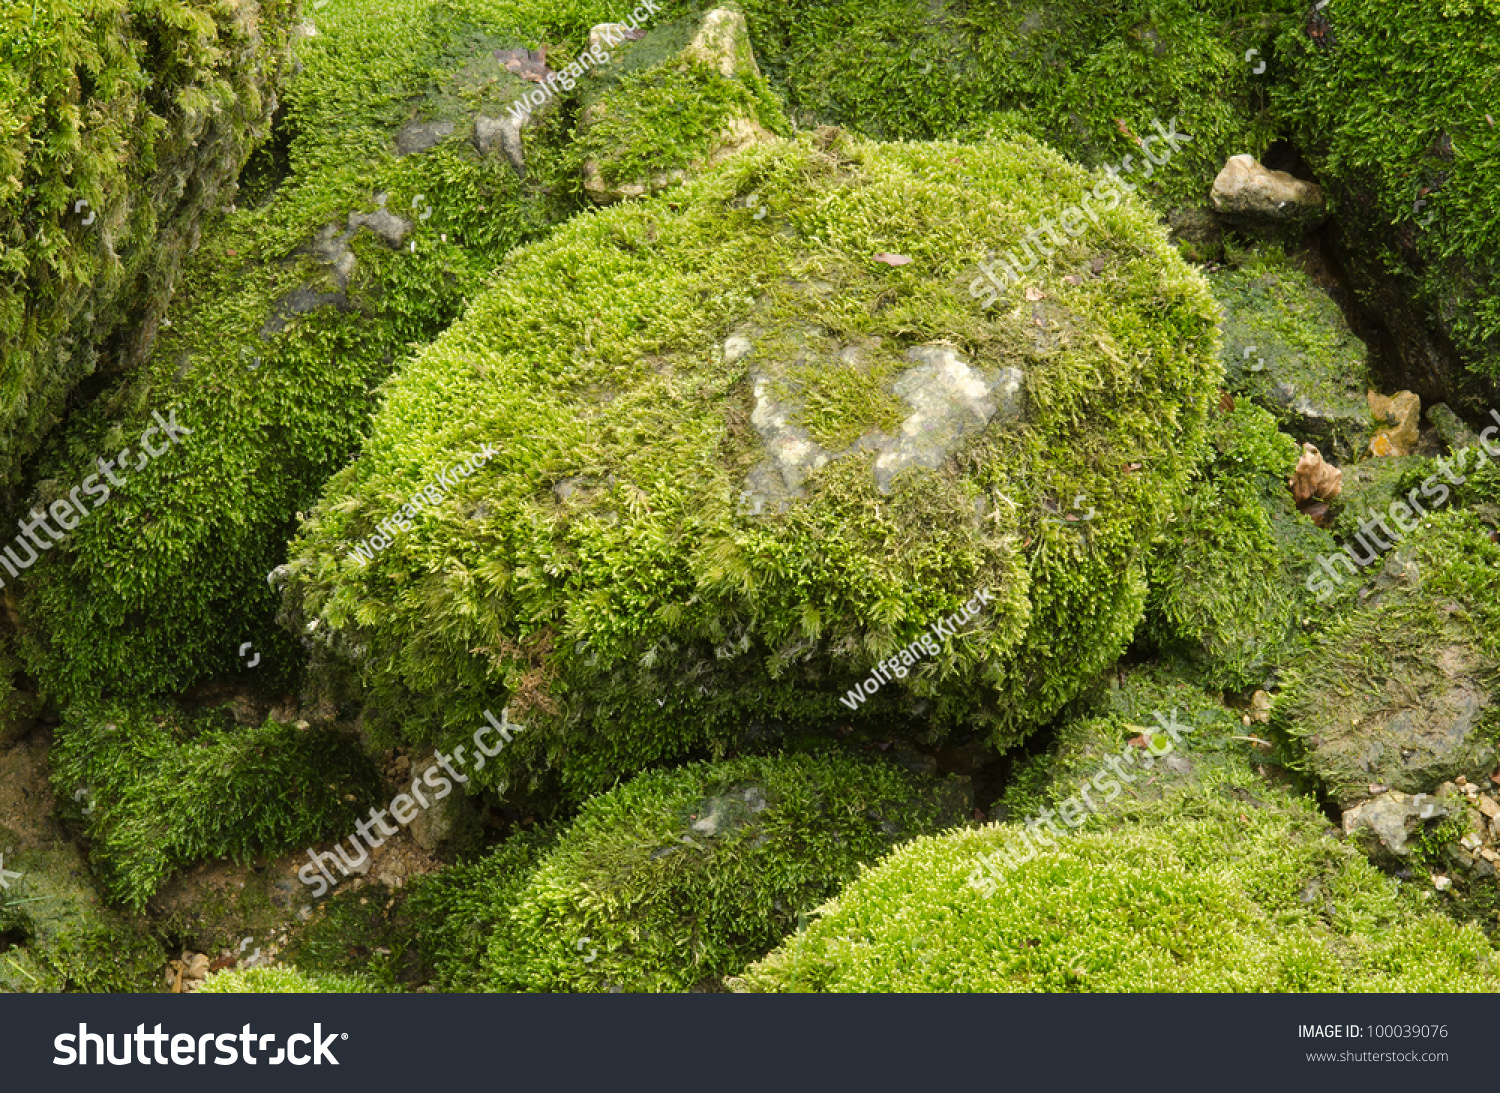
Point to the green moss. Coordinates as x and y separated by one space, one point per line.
1228 577
134 118
59 936
1210 894
164 791
1287 348
277 980
1394 692
1388 105
157 589
660 109
465 910
359 934
676 878
1088 78
602 572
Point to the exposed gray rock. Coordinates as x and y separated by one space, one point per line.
951 402
1385 824
419 136
391 229
502 135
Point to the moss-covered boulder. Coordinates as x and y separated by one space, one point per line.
677 878
1388 102
56 934
1399 692
122 127
1288 348
371 217
744 461
157 790
1228 580
1191 870
1225 897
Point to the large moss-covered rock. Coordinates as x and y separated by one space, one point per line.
677 878
1235 898
1388 101
744 460
1202 877
367 222
121 128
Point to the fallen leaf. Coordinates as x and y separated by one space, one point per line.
1097 264
1226 402
1034 294
1318 512
1376 789
1073 279
1496 776
231 253
892 259
1131 467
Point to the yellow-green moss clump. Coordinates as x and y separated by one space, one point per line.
675 879
1213 893
1228 590
121 126
358 239
279 980
659 559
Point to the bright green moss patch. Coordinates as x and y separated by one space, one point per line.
278 980
661 107
121 128
608 572
1216 895
163 791
678 877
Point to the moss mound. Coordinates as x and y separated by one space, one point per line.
663 551
121 127
1228 592
1287 348
157 791
279 980
675 879
1200 893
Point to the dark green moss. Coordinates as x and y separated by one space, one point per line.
164 791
